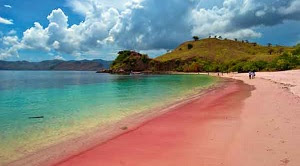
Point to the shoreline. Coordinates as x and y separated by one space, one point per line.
94 137
203 111
260 129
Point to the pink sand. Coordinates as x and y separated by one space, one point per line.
197 133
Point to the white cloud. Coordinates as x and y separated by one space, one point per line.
10 40
55 45
7 6
57 57
238 18
218 21
294 7
5 21
151 26
12 32
242 34
83 7
58 17
260 13
90 6
35 38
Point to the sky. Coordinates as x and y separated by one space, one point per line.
36 30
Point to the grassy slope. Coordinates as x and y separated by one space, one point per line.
223 51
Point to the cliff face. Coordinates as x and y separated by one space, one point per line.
128 61
84 65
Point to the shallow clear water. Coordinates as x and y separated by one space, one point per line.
72 102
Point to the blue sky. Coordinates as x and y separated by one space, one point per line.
37 30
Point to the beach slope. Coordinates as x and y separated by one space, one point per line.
197 133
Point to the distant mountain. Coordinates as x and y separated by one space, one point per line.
82 65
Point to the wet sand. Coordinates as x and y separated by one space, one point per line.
197 133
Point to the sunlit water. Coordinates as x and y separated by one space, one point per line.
72 102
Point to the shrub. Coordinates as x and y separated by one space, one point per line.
190 46
285 62
194 67
296 51
145 58
270 51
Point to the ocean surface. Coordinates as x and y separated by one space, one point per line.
73 102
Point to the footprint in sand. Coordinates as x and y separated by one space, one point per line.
124 128
285 161
282 141
269 150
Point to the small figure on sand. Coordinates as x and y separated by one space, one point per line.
251 74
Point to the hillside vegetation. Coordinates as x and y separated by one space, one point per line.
128 61
223 51
219 55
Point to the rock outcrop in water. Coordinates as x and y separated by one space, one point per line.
128 61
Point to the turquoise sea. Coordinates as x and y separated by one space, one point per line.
72 102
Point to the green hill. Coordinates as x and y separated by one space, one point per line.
213 55
228 55
223 50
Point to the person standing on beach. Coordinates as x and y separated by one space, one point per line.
250 74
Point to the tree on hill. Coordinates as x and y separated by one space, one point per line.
220 37
235 39
269 44
196 38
